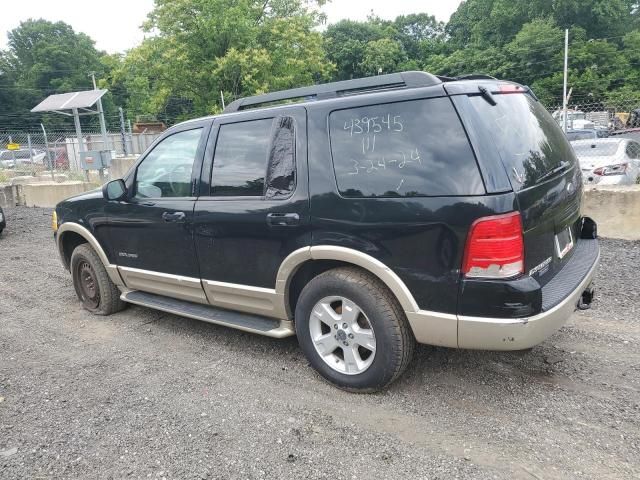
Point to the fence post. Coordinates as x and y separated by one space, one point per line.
30 150
48 154
123 132
130 136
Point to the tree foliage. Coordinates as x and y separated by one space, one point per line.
196 49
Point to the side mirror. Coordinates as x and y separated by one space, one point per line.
114 190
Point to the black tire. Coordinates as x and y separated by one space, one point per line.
394 339
93 286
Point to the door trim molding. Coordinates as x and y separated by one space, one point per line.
246 298
169 285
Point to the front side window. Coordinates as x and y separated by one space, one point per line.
166 170
402 149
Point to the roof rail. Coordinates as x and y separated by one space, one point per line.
471 76
343 88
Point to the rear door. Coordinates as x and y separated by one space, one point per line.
253 209
542 169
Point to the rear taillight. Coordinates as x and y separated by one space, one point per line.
618 169
495 248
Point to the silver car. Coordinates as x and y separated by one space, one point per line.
608 161
21 157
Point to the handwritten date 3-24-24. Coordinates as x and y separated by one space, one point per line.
383 163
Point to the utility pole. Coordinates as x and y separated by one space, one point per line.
564 87
123 132
103 126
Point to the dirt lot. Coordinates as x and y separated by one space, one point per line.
144 394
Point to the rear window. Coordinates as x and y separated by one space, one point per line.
592 149
530 142
402 149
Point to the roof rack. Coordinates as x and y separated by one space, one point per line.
471 76
344 88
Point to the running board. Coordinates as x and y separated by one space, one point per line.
269 327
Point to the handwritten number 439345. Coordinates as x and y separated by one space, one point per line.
367 125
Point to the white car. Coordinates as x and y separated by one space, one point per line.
608 161
21 157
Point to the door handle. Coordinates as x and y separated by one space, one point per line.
283 219
176 217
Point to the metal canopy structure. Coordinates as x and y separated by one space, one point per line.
69 101
80 103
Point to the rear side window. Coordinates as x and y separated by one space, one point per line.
247 151
530 142
240 160
403 149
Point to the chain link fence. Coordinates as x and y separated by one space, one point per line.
59 155
606 138
605 135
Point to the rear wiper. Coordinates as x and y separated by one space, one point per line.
551 173
486 94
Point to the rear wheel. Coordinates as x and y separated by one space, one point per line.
352 330
93 286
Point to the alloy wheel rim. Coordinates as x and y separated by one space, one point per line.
342 335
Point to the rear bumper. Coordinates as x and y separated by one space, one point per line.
560 298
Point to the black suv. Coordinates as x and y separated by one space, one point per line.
362 216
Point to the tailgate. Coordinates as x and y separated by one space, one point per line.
543 171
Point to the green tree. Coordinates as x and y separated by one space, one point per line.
45 58
346 43
240 47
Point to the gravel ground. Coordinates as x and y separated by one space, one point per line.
144 394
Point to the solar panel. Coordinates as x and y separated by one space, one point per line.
67 101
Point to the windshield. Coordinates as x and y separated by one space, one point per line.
595 149
530 142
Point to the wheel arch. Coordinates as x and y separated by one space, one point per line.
70 235
310 261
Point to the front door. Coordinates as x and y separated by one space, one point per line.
254 209
151 231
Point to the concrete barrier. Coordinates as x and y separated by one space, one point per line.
121 165
48 194
8 196
616 209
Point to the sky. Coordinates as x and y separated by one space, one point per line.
115 24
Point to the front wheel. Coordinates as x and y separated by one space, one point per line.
93 286
352 330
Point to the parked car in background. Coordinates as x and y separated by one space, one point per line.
608 161
21 157
576 119
3 220
586 134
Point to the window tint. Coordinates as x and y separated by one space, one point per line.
240 160
166 171
403 149
530 142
